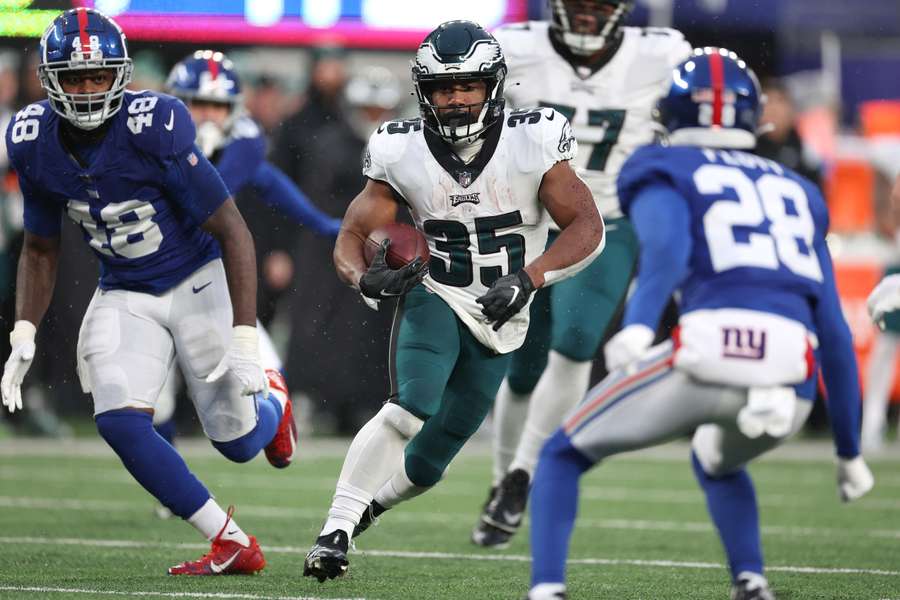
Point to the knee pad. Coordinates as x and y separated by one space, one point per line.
400 419
422 472
522 379
707 449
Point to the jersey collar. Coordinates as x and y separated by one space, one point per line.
464 174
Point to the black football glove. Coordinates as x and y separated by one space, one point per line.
380 281
506 297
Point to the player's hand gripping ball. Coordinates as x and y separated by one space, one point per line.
397 256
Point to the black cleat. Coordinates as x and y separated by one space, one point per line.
503 514
327 558
369 518
751 586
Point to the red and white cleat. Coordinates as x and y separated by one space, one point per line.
280 450
226 557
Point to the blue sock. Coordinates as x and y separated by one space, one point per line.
554 504
167 430
731 501
152 461
248 445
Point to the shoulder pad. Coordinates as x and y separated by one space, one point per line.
648 164
391 138
517 39
245 127
665 42
547 130
158 124
24 132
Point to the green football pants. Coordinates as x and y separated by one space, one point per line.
444 376
572 316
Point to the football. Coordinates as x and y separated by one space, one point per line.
407 243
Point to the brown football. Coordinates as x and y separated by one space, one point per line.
407 243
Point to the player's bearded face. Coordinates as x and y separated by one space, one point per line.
458 103
587 16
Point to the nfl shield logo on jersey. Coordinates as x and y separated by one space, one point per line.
464 178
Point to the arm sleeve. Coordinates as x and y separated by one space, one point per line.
240 162
42 216
662 221
558 139
280 193
195 185
839 369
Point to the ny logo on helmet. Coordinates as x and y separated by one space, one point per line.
220 84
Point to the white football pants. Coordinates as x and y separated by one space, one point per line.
129 341
165 401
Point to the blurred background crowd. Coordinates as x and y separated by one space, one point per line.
320 75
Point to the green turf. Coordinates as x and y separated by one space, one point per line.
71 518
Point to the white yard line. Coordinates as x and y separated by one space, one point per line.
629 495
444 518
217 595
451 556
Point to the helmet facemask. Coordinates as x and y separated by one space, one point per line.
572 18
460 122
86 111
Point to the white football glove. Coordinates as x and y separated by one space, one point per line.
627 346
243 360
854 478
884 298
22 341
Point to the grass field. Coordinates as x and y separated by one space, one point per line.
74 525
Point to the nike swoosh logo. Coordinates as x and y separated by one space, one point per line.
171 122
218 568
516 291
197 290
386 295
551 116
512 518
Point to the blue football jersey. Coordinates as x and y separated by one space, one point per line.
241 156
755 227
139 195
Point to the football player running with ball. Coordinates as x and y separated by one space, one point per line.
743 239
606 79
178 274
480 183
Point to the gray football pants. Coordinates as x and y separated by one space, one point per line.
655 403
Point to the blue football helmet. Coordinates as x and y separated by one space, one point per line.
714 100
208 76
83 39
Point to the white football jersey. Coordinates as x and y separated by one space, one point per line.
482 219
611 109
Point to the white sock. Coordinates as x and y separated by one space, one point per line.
210 519
398 489
375 454
347 508
510 412
546 591
561 386
879 379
